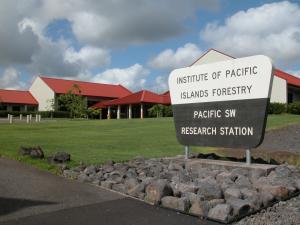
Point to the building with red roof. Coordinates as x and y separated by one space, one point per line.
285 87
135 105
46 90
14 100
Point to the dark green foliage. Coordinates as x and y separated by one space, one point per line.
73 102
4 113
93 113
276 108
294 108
156 110
160 111
54 114
167 111
44 114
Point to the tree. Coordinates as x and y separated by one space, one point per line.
167 110
156 110
93 113
73 102
50 106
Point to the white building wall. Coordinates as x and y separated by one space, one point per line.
211 57
42 93
279 86
279 90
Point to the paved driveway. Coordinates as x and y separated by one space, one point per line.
29 196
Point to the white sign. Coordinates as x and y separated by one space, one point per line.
243 78
222 104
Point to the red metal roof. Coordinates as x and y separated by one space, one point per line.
61 86
166 98
143 96
290 79
17 97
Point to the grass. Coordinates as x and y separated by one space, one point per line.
95 141
278 121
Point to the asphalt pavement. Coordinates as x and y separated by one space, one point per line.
29 196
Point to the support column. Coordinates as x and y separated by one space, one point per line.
130 111
11 119
142 111
108 112
119 112
248 156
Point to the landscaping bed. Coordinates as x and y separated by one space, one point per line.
221 194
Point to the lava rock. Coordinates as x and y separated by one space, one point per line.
90 170
240 207
200 208
71 174
119 188
137 191
131 183
232 193
61 157
84 178
35 152
107 184
156 190
209 188
181 204
221 212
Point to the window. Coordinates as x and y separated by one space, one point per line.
16 108
290 97
31 108
3 107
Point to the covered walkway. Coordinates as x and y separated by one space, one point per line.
135 105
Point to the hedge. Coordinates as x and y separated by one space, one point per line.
294 108
276 108
44 114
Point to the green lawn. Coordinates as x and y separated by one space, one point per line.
96 141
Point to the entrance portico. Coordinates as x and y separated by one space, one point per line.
135 105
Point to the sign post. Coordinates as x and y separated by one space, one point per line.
186 152
222 104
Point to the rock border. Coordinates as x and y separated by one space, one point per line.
222 195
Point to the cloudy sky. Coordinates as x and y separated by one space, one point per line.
138 42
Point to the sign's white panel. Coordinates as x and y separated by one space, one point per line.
243 78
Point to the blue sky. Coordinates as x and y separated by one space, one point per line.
138 42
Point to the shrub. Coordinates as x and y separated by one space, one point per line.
167 111
276 108
4 113
294 108
44 114
61 114
156 110
95 113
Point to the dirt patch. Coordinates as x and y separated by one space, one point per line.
281 145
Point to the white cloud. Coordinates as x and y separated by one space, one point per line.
271 29
119 23
182 57
160 84
10 79
96 25
89 56
133 77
